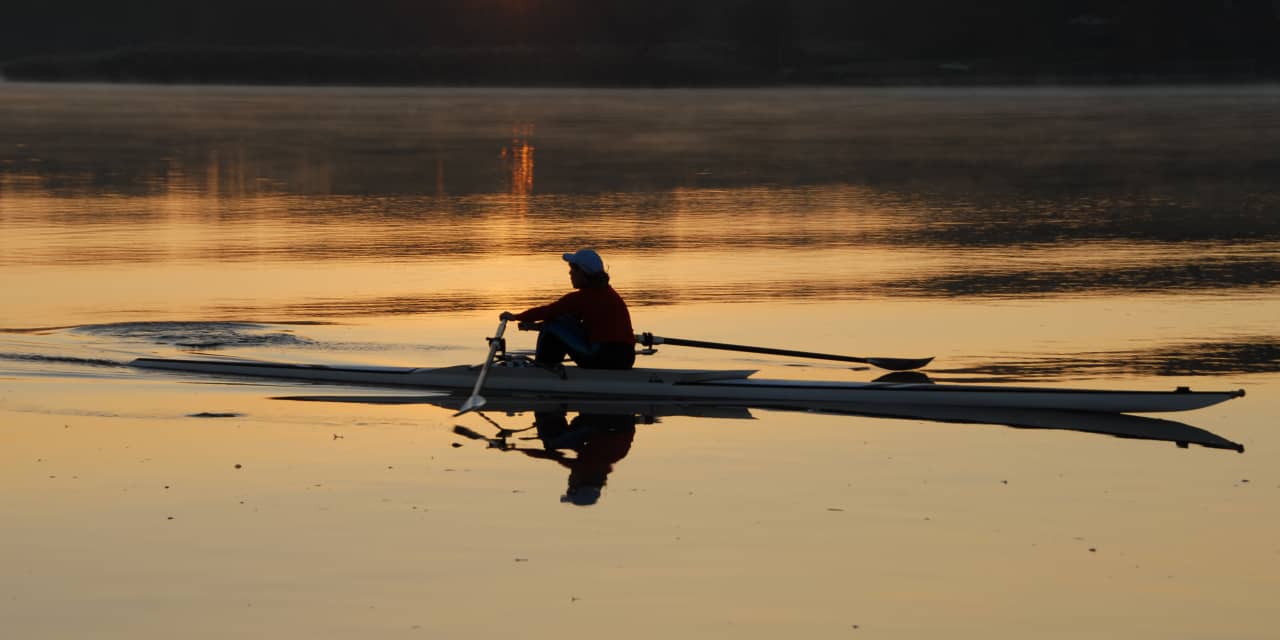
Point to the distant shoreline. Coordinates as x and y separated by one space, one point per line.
674 65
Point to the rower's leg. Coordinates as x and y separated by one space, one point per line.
564 336
551 349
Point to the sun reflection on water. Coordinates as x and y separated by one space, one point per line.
518 159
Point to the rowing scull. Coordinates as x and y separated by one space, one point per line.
512 376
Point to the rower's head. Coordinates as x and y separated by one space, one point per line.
586 269
583 495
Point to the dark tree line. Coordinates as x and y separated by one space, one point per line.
767 35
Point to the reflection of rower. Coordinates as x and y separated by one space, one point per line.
599 440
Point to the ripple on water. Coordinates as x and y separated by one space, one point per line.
198 335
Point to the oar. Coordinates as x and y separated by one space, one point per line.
476 400
892 364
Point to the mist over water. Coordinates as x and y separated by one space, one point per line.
156 205
986 192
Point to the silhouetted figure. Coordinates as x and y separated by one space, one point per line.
591 325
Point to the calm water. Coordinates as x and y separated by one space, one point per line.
1111 238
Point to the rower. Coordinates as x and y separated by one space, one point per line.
591 325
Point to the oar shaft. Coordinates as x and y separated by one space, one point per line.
476 400
681 342
893 364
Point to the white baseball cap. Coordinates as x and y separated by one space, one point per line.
587 260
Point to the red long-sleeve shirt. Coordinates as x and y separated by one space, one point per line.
601 310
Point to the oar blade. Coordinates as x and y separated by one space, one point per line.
473 403
899 364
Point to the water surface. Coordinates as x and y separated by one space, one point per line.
1109 238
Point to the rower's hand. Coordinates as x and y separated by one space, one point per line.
506 315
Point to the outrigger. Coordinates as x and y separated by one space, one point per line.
511 374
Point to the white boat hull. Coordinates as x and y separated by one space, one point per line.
734 385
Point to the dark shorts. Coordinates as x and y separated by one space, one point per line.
566 337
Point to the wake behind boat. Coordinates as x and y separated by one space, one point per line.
509 375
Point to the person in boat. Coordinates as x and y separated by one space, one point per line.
591 325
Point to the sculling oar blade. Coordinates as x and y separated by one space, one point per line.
899 364
476 401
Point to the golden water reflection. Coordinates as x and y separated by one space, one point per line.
238 204
518 157
259 505
1046 234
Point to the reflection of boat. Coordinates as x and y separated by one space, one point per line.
1114 424
515 376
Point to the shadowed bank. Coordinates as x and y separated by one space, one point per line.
629 42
